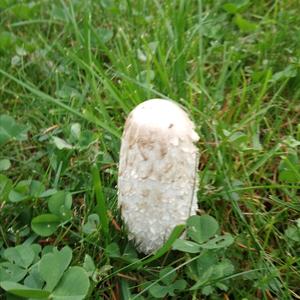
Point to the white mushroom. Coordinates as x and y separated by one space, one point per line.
157 172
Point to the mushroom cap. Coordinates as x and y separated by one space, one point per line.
157 181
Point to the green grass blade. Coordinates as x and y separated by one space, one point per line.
101 204
175 234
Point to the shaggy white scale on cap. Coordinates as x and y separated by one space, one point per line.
157 172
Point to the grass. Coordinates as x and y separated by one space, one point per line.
73 70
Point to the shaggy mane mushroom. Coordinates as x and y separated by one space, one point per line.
157 181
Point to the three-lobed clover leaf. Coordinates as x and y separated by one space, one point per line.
169 285
59 205
209 271
48 278
203 231
92 224
210 267
11 130
201 228
26 190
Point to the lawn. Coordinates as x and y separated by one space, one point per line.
70 73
